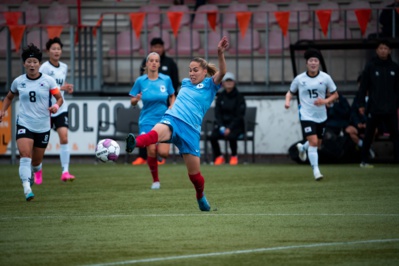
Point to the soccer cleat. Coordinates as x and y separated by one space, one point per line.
130 143
67 177
204 204
156 185
38 177
29 196
366 165
161 162
317 175
233 160
301 153
219 160
139 161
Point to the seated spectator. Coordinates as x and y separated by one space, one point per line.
229 119
338 113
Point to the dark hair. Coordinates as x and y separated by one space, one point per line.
385 42
31 51
52 41
312 52
155 41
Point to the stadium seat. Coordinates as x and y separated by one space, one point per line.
247 44
219 2
185 20
184 44
11 2
277 43
2 18
229 16
338 33
165 35
200 20
57 14
37 37
307 33
153 15
32 14
3 41
351 18
123 44
299 12
335 14
259 15
213 39
41 2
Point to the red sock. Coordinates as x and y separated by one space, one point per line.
198 182
153 165
145 140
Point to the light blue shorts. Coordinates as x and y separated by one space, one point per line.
185 137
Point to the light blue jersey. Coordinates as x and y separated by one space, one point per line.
194 101
155 94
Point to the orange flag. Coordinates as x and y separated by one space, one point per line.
175 19
17 32
282 18
324 17
137 22
54 31
98 24
12 17
363 17
243 19
212 19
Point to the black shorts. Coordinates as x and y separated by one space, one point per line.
40 140
60 120
312 128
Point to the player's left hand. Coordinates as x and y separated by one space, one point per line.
68 87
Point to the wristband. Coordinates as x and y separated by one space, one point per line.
56 106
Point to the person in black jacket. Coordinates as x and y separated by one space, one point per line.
380 80
229 119
168 67
386 19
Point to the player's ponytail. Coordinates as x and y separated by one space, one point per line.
211 68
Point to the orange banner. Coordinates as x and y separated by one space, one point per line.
54 31
175 19
137 22
324 17
363 17
282 18
243 19
17 32
5 130
12 17
212 19
98 24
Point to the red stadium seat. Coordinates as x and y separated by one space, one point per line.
229 16
153 15
123 44
57 14
187 43
200 19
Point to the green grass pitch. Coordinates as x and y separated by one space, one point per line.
267 214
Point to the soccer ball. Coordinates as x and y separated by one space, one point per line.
107 150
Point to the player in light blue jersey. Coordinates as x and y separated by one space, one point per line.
153 89
181 124
33 123
312 87
59 121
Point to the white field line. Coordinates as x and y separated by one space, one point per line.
247 251
214 214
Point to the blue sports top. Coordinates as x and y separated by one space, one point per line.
193 101
155 95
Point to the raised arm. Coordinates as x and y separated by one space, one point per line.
222 46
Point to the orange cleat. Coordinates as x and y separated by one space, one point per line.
233 160
139 161
219 160
163 161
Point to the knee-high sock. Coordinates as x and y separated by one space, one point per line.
306 146
198 182
153 165
25 172
313 157
147 139
37 168
64 157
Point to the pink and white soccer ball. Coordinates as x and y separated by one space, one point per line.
107 150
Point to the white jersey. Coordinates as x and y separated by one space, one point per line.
34 101
59 74
309 89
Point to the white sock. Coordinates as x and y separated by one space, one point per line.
37 168
305 146
313 157
25 172
64 157
360 143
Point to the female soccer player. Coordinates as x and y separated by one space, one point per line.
59 121
181 125
33 123
311 87
154 89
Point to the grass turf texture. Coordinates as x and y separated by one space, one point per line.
275 214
